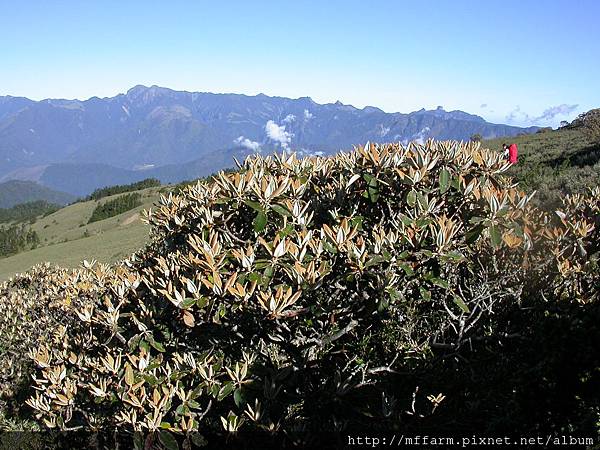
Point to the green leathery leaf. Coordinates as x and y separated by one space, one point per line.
268 272
383 304
221 200
225 391
254 205
202 302
423 201
407 269
425 294
462 305
444 180
495 236
377 259
373 194
157 345
453 256
289 229
473 234
357 222
260 221
238 397
144 345
411 198
281 210
455 183
254 277
187 302
168 440
439 282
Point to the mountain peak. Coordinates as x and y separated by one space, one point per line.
343 107
137 89
307 99
146 93
372 109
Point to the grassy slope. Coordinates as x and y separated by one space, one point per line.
110 246
553 162
109 240
563 161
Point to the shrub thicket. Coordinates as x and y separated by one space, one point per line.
590 124
372 289
116 206
34 306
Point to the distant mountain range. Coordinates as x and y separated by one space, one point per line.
77 146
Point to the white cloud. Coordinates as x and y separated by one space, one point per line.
308 115
277 133
247 143
289 118
560 110
516 115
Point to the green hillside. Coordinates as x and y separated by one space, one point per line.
550 162
554 162
66 239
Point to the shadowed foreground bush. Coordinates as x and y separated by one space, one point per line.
408 288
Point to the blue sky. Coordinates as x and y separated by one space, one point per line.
520 62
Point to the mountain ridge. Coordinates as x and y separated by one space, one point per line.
15 192
153 127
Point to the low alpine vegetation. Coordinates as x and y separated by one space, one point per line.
379 288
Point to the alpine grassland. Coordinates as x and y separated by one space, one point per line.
66 238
